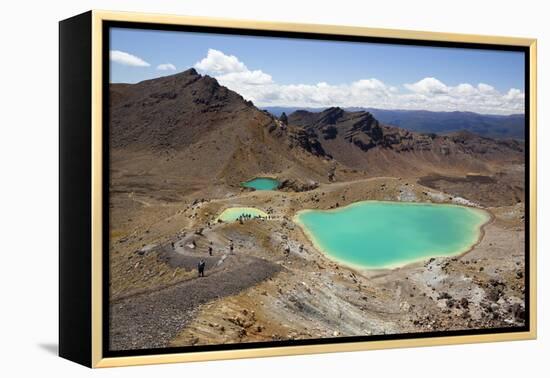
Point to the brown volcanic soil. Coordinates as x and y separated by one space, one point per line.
152 319
182 144
503 188
313 297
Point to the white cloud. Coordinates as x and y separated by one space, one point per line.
485 88
217 63
127 59
245 78
428 93
465 89
166 67
428 86
514 94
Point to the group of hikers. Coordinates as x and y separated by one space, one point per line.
244 217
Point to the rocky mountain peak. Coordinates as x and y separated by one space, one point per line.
331 115
174 111
190 72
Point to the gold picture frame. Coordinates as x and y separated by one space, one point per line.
89 267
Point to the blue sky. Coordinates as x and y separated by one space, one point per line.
290 70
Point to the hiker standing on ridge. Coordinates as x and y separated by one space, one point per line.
200 267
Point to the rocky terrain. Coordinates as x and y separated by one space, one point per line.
360 141
180 147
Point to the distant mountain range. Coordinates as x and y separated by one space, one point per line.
424 121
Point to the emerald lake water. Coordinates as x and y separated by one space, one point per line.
373 234
234 213
262 183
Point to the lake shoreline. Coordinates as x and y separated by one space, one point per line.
399 265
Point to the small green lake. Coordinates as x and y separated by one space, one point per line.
261 183
377 234
234 213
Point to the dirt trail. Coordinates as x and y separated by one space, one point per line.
151 320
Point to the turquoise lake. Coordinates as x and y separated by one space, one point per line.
376 234
262 183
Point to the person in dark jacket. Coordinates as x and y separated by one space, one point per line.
200 267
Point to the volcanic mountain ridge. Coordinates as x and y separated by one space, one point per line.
205 130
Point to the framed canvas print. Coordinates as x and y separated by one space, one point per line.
234 189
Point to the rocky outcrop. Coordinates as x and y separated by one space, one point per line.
339 133
284 119
331 116
309 142
295 185
358 128
329 132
